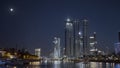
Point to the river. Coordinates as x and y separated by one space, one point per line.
57 64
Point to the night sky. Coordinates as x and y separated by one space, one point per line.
34 23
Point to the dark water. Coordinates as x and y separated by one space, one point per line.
58 64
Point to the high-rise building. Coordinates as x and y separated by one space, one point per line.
117 45
93 43
38 52
76 38
76 44
69 38
85 37
57 50
81 44
117 48
72 43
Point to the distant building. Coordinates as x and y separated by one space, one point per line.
2 52
93 43
57 50
117 48
38 52
117 45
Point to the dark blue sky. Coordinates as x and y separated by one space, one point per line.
34 23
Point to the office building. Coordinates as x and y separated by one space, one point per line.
117 45
69 38
57 49
76 44
93 43
38 52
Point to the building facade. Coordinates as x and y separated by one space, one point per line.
76 38
93 43
38 52
57 48
69 39
72 42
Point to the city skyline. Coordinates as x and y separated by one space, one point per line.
33 24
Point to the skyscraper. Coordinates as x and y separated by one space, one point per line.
72 44
85 37
76 37
57 50
93 43
74 41
69 38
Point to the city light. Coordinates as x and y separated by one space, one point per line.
68 20
11 9
91 37
80 33
70 24
92 43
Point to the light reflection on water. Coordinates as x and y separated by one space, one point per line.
59 64
117 66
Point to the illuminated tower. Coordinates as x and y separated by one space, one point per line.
69 38
57 50
93 43
38 52
77 44
76 37
72 42
85 38
81 44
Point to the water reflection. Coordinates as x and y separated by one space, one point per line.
109 65
79 65
56 64
93 65
76 65
67 65
117 66
59 64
